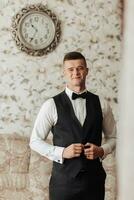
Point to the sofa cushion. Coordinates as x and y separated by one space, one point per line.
4 154
14 161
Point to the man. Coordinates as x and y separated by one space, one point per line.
76 118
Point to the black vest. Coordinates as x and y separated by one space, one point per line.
68 130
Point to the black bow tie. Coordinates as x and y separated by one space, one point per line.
75 96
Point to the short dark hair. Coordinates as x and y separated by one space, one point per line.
74 55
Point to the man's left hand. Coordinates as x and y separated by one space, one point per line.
93 151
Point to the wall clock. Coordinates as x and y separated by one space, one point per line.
36 30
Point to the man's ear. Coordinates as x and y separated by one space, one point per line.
63 71
87 70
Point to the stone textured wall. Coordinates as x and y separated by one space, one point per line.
92 27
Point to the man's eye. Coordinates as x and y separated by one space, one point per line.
81 68
70 70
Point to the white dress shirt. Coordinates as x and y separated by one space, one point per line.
47 117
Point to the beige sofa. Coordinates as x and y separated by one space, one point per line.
24 174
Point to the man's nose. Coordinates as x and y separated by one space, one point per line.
76 71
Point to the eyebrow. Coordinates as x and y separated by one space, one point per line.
77 66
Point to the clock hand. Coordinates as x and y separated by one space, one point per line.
31 39
33 36
34 27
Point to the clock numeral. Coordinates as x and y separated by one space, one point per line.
45 36
27 24
42 21
24 30
46 25
36 19
30 20
26 35
36 41
41 39
47 31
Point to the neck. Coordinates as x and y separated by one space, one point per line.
77 89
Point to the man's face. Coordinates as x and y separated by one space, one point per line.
75 72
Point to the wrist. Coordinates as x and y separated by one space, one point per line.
65 154
101 152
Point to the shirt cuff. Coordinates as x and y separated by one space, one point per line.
58 154
106 149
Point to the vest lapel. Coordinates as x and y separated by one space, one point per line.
89 116
68 105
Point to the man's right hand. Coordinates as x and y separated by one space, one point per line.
73 150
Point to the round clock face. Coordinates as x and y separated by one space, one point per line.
36 30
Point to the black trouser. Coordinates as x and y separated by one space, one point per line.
84 186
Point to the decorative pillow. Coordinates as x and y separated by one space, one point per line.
20 154
4 154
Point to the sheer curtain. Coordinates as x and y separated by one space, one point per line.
125 142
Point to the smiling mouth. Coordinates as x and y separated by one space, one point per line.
77 78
